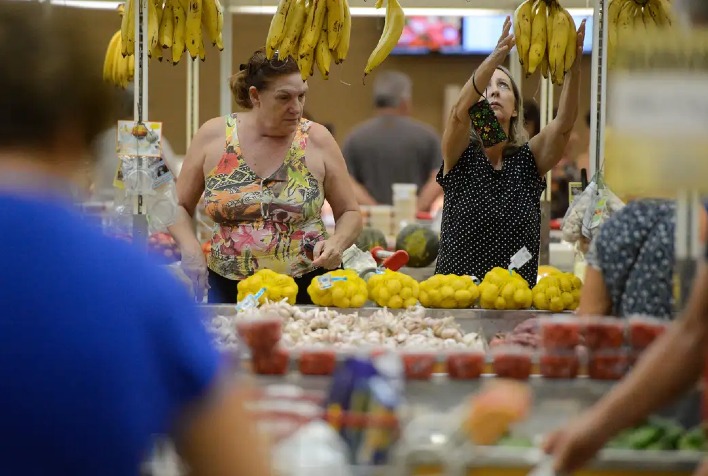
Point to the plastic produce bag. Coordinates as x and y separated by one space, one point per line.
588 211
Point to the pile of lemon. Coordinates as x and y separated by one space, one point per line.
393 289
557 292
448 291
503 290
346 290
276 286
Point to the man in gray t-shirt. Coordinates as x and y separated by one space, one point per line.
392 147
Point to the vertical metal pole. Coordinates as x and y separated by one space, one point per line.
226 60
192 99
515 68
546 117
140 224
687 245
598 87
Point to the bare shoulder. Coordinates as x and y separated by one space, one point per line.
320 137
212 128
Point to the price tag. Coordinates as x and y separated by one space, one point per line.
575 189
519 259
250 301
326 280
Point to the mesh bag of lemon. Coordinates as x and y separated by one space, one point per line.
341 288
393 289
274 286
448 291
557 292
503 290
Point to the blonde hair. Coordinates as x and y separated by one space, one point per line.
517 132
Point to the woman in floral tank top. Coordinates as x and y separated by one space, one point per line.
265 174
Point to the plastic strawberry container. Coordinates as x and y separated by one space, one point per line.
271 362
317 361
513 362
464 364
608 364
260 334
643 331
560 332
418 364
604 333
559 364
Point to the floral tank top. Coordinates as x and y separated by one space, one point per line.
263 223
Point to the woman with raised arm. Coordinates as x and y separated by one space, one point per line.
492 175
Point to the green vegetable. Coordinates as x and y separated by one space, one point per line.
515 441
693 440
645 436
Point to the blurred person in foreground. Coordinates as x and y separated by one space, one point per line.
100 350
265 174
670 367
392 147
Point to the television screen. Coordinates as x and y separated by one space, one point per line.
471 35
430 34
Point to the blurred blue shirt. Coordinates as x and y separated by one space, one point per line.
100 349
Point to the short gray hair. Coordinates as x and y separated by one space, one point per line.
392 87
695 12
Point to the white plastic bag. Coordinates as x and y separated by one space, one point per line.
314 450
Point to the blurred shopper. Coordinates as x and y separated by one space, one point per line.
100 351
493 175
532 118
393 147
265 174
670 367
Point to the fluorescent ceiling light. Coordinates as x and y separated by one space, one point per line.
373 12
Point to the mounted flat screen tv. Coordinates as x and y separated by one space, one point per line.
470 35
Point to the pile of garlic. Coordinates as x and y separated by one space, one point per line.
322 326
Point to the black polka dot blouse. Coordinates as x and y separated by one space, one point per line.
489 215
634 250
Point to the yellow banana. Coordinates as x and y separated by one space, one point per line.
335 21
313 26
276 32
571 49
522 30
323 56
342 49
167 25
293 31
545 70
393 27
219 26
551 10
210 18
178 37
538 37
306 64
625 21
658 13
557 47
613 12
113 45
193 27
378 4
202 52
153 20
127 29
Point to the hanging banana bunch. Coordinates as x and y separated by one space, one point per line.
117 68
627 17
313 33
546 39
177 26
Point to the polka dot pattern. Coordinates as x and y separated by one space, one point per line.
489 215
635 252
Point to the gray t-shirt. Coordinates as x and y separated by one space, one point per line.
392 149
